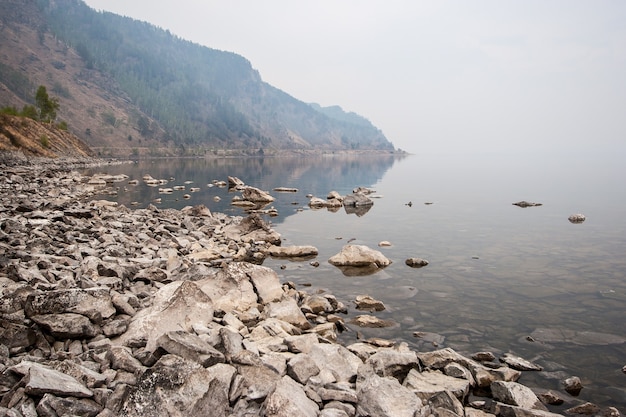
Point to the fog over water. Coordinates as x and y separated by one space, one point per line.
499 275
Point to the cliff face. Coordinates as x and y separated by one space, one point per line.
34 138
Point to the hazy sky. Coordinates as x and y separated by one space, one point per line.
432 75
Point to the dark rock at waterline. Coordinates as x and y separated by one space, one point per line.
357 200
573 385
577 218
416 262
525 204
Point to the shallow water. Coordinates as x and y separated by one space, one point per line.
498 273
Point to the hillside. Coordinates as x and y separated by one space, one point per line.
32 138
128 88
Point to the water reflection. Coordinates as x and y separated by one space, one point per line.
202 181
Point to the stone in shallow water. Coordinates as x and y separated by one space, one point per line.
584 338
518 363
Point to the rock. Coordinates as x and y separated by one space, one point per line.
67 407
551 397
94 303
301 343
359 256
334 203
175 386
384 243
573 385
40 379
577 218
287 310
67 325
286 190
393 363
121 358
525 204
233 182
13 335
587 408
518 363
337 359
446 403
176 306
516 394
191 347
357 200
379 396
288 400
253 383
365 302
301 368
292 251
365 320
483 356
428 383
256 196
416 262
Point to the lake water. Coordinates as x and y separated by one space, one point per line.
501 278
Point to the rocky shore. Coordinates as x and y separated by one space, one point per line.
108 311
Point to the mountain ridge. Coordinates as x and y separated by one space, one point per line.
130 88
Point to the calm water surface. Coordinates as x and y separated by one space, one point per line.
497 274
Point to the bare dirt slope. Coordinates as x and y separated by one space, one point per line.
32 138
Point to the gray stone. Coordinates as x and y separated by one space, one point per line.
573 385
359 256
178 387
516 394
380 396
256 195
577 218
518 363
67 325
287 310
292 251
428 383
40 379
94 303
68 407
392 363
416 262
301 368
264 280
176 306
366 302
288 400
253 383
336 358
357 199
301 343
190 346
122 358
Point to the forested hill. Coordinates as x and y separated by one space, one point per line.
129 87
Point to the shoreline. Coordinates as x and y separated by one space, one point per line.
87 283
